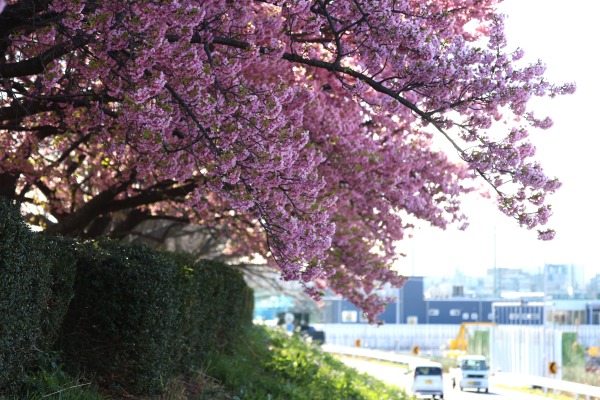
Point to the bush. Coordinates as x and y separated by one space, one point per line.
36 275
22 281
217 305
60 255
129 315
123 322
140 317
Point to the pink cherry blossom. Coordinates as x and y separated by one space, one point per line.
302 131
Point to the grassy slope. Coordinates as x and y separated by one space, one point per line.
264 364
271 364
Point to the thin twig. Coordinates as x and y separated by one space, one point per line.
71 387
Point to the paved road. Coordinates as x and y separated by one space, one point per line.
395 375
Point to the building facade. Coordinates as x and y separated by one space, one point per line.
411 307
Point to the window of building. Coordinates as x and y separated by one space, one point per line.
433 312
474 316
349 316
465 316
455 312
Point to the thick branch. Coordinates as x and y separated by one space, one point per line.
152 196
24 109
77 220
105 203
36 65
16 14
8 184
133 219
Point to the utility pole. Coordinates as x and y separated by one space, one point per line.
413 256
496 283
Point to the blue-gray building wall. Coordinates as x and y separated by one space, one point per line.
518 314
412 302
457 311
593 312
409 303
411 307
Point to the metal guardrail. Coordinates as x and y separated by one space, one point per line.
371 353
577 389
510 379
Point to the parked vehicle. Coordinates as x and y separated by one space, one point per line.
471 372
427 380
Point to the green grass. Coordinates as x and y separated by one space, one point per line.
53 383
580 375
540 392
264 364
270 364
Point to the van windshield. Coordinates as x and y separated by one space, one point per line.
428 371
474 365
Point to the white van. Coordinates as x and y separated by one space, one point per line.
471 372
427 380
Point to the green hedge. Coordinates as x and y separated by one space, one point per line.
218 303
122 322
128 316
140 317
60 256
36 275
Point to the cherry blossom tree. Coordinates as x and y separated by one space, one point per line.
300 130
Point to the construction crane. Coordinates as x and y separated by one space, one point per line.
458 345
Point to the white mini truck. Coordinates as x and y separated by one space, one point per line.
471 372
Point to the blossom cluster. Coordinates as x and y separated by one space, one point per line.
302 130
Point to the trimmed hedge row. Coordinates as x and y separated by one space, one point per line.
36 279
130 316
140 317
214 313
122 323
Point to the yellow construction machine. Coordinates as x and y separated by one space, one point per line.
458 345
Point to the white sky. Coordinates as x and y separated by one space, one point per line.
565 36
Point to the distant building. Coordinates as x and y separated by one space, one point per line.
524 296
593 312
557 281
412 307
511 280
593 288
562 281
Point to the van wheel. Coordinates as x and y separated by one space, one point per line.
453 383
486 390
461 388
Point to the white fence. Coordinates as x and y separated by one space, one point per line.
529 349
522 349
397 337
525 349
